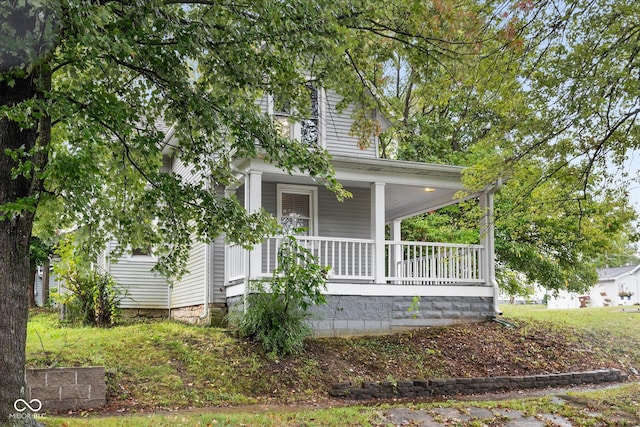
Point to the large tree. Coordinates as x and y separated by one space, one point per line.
541 95
566 152
86 88
90 91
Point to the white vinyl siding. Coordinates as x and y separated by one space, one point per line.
349 218
186 172
189 290
263 103
216 267
144 288
337 130
101 262
269 195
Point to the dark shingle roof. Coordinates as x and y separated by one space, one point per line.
610 273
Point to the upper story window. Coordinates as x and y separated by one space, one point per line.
141 254
307 129
309 125
143 251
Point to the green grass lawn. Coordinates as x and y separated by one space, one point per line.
168 365
611 407
615 331
347 416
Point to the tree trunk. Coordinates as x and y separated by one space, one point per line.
31 290
15 233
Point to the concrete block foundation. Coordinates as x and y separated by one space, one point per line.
349 315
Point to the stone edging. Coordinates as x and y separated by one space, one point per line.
453 386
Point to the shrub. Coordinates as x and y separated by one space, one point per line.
276 309
93 298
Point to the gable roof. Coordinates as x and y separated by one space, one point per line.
615 272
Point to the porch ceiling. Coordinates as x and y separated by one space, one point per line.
402 201
411 188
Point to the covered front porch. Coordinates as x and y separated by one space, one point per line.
353 261
360 239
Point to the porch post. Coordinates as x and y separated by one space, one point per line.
253 203
377 229
487 240
228 192
396 253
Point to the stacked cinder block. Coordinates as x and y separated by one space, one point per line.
64 389
453 386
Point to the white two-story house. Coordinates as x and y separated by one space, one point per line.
378 282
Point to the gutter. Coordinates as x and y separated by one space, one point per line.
205 309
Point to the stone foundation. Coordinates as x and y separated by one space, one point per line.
193 314
145 313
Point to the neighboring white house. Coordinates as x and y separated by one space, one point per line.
37 287
615 286
374 281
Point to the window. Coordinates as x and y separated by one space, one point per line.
145 251
309 125
297 209
141 254
308 129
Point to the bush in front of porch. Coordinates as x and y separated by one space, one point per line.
276 309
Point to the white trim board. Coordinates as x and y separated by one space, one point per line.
392 290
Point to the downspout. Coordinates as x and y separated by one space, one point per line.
205 310
166 150
169 288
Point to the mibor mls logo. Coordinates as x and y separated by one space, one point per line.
28 32
21 405
26 410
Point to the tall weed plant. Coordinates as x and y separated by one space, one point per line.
90 297
93 298
277 309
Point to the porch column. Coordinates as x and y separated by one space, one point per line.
377 230
228 192
487 239
396 253
253 203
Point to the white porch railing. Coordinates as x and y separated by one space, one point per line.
416 263
347 258
434 263
235 263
